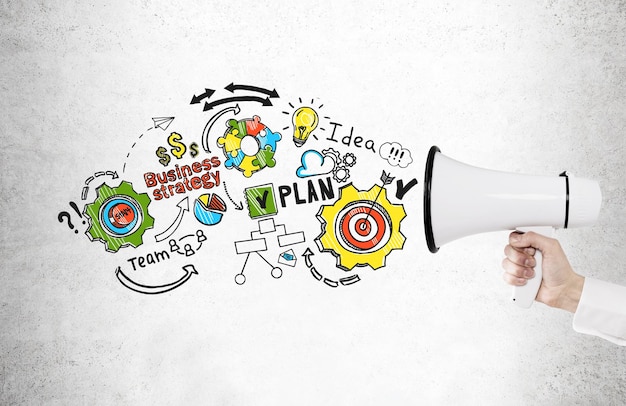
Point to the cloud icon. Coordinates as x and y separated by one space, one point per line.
393 153
314 163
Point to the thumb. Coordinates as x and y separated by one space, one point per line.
531 239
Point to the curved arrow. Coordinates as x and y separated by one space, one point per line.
85 191
154 290
348 280
232 87
183 205
237 206
307 257
113 174
264 101
209 124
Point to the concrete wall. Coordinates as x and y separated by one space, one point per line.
531 87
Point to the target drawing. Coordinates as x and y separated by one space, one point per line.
361 227
119 216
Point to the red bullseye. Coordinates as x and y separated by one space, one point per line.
357 231
121 215
363 227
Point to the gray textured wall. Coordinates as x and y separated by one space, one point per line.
532 87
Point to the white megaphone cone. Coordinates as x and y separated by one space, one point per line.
461 200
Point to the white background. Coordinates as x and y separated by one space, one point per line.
532 87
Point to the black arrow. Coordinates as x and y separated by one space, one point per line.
264 101
155 290
307 257
207 94
271 93
237 206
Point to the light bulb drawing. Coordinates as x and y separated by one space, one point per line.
305 121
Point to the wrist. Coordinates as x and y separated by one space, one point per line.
570 296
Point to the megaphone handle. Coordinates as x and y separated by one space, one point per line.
524 296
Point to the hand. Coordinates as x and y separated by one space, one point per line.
560 287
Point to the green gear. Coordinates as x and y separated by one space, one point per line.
113 239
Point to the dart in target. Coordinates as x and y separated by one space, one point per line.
361 227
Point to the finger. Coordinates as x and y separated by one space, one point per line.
519 256
516 239
516 270
512 280
531 239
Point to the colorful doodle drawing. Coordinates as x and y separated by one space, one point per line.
358 227
361 227
288 258
314 163
209 125
305 121
119 216
209 209
261 201
249 145
330 160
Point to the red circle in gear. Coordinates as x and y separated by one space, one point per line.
347 233
363 227
121 215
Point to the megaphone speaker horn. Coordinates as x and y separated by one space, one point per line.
460 200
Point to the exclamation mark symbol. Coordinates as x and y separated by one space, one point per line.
75 207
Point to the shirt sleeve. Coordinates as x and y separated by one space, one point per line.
602 311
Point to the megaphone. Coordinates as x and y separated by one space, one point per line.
461 200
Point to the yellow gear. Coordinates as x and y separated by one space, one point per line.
361 227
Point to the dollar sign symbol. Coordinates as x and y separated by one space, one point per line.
193 149
162 153
180 148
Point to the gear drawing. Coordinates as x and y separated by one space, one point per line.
341 173
349 159
361 227
248 145
119 216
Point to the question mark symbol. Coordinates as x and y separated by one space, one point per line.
69 222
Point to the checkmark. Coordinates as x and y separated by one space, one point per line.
262 201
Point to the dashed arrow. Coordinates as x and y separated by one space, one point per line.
112 174
238 206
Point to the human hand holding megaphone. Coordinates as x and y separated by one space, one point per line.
560 286
461 200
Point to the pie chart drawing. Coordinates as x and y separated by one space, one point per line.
209 209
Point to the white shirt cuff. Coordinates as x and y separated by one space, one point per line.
602 311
